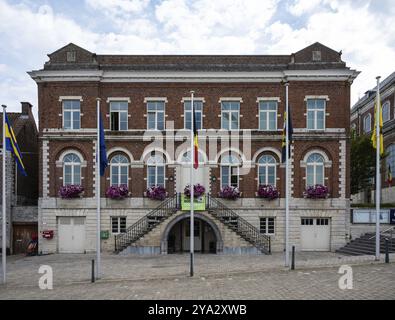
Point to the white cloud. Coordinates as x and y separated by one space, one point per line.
300 7
119 7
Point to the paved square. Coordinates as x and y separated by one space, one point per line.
216 277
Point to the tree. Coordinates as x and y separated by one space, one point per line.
363 163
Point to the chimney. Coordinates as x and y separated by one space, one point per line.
26 108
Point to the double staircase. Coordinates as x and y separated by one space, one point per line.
366 244
214 207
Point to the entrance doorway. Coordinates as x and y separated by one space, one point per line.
205 240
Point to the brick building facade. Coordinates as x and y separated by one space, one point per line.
22 192
146 97
362 123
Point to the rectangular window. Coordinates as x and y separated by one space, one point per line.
188 113
267 225
156 176
230 114
316 114
118 224
307 221
156 115
119 115
267 115
230 176
71 114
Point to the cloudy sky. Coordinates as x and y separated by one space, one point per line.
30 29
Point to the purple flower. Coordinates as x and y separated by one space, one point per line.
268 192
229 192
198 190
156 193
317 191
117 192
70 191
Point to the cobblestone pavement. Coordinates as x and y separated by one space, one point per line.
148 275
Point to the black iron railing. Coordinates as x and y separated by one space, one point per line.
144 225
239 225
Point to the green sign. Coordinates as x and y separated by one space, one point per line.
104 234
199 204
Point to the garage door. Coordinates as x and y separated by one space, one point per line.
71 234
315 234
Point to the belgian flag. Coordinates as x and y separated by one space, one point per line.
195 139
12 145
290 132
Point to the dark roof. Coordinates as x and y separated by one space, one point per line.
330 59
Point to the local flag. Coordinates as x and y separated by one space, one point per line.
195 140
290 132
12 145
389 177
102 149
374 139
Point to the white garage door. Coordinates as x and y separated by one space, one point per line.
315 234
71 234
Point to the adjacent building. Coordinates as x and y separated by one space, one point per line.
21 191
145 103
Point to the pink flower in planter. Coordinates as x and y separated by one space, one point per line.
117 192
317 191
198 190
268 192
70 191
229 192
156 193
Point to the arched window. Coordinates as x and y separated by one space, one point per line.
71 169
367 123
315 169
267 170
119 172
386 111
155 171
230 170
390 160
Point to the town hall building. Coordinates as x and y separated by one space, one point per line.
239 102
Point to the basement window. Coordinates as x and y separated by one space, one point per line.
267 225
118 224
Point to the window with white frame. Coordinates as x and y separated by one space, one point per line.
198 105
316 114
315 169
156 115
71 114
386 111
119 170
155 171
118 225
119 115
230 115
266 225
367 123
71 169
267 170
390 160
268 115
230 165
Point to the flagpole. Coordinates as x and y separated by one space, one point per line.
191 228
4 206
378 180
286 178
98 256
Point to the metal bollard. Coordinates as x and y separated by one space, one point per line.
293 258
387 256
93 271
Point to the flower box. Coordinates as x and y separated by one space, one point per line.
268 192
156 193
317 191
198 190
70 191
117 192
229 192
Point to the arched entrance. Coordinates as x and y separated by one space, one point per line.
176 237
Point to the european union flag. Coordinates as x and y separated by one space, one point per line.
12 145
102 150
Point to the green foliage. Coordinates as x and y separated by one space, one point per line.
363 162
